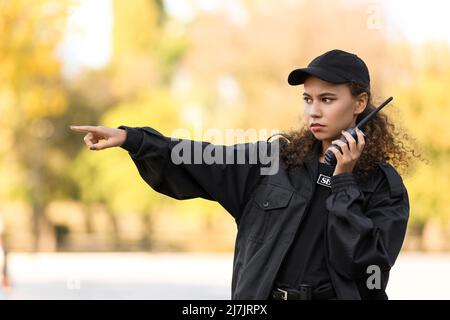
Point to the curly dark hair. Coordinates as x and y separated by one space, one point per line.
386 142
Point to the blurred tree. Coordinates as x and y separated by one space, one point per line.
32 99
136 27
110 178
145 48
424 102
143 57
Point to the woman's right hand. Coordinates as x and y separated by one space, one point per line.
99 137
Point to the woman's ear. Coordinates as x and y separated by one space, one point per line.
361 102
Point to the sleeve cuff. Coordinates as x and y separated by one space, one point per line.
134 139
342 181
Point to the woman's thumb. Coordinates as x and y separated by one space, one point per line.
102 144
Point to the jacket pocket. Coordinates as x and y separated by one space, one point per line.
269 202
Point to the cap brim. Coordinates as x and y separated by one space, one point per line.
298 76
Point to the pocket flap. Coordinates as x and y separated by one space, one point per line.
273 197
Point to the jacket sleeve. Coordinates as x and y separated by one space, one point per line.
163 166
358 236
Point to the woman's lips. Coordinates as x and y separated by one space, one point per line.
316 127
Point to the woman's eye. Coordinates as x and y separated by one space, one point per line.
307 100
327 100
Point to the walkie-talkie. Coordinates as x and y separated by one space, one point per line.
330 158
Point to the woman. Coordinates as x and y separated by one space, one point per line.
310 230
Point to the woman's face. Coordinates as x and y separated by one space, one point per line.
332 106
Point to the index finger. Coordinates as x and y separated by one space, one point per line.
84 128
361 137
348 136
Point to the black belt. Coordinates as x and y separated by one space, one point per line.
304 292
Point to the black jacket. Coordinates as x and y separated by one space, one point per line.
366 223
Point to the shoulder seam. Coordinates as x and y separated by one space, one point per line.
394 179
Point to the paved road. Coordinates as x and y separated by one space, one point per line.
181 276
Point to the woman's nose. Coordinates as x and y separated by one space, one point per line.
314 110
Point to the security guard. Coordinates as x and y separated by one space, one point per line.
310 232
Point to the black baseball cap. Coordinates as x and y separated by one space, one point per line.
335 66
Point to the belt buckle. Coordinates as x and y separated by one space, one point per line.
285 293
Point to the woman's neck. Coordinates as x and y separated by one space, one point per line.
325 145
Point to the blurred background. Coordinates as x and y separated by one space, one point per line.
81 224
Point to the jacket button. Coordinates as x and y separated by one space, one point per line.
266 204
